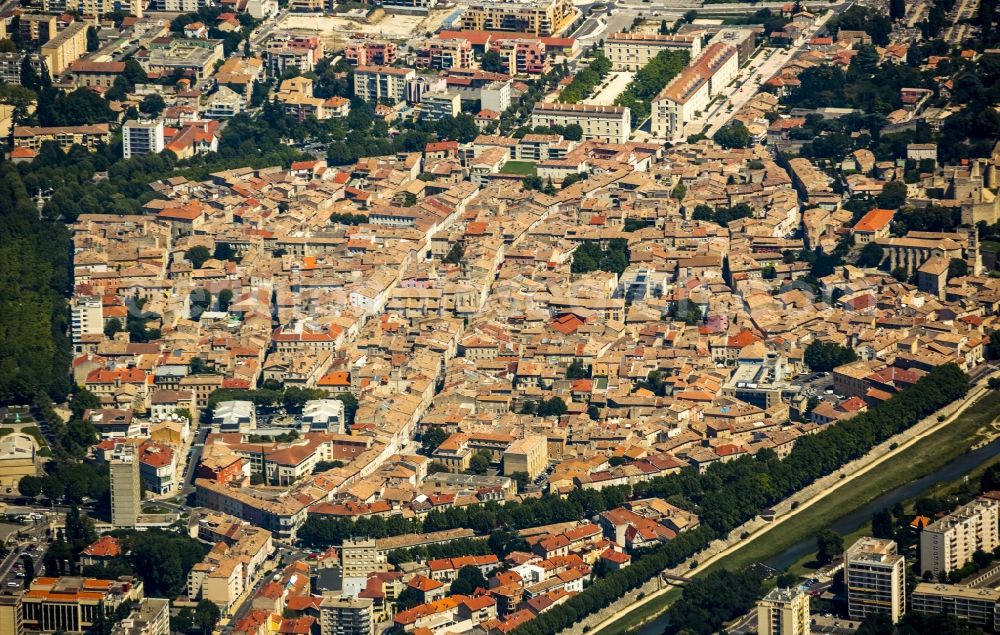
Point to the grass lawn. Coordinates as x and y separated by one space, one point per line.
925 456
524 168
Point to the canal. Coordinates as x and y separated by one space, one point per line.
855 519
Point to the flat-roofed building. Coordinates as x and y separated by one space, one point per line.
783 612
151 617
234 416
65 47
611 124
142 137
72 604
373 83
339 615
541 17
184 55
632 51
126 493
976 605
948 543
690 92
11 615
439 105
875 577
18 458
530 455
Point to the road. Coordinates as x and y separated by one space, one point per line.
932 425
748 83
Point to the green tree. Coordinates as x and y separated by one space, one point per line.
577 370
93 42
821 356
480 462
491 62
197 256
882 524
468 579
112 326
829 545
53 488
225 299
871 255
455 254
897 9
734 135
521 478
206 616
152 105
893 195
957 268
30 486
431 439
552 407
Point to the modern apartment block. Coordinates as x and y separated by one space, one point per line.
358 558
611 124
948 543
86 318
373 83
126 493
689 93
346 615
443 54
142 137
632 51
977 606
783 612
65 47
522 56
541 18
875 578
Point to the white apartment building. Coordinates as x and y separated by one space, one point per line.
611 124
975 605
346 615
358 558
496 96
783 612
632 51
373 83
948 543
689 93
324 414
142 137
86 318
438 105
875 577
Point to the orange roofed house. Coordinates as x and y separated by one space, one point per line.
72 604
873 226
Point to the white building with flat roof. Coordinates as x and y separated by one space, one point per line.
142 137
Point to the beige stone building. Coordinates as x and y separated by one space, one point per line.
17 459
66 47
530 454
611 124
783 612
632 51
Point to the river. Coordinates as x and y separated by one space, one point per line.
851 521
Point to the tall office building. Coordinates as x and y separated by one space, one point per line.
783 612
875 578
947 544
86 318
126 494
142 137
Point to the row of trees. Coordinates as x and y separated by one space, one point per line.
821 356
649 81
590 256
728 494
586 80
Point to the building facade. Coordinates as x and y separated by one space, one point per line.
142 137
611 124
783 612
373 83
875 578
541 18
126 493
689 93
632 51
947 544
